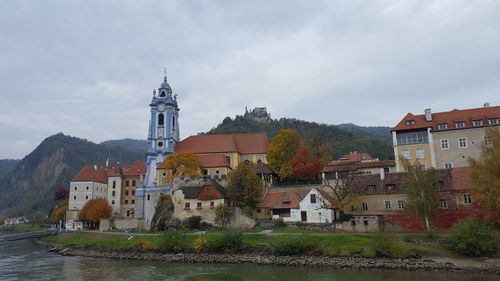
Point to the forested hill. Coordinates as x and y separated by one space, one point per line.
343 139
30 185
6 165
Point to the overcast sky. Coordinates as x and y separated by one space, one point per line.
87 68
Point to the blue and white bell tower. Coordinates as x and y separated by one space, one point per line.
162 137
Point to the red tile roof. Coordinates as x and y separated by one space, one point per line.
353 166
356 157
211 161
242 143
89 173
136 169
450 118
280 200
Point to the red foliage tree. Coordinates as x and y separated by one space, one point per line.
95 210
61 194
305 165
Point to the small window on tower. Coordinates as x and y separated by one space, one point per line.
161 119
173 122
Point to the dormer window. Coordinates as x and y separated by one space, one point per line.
493 121
460 124
410 122
477 123
443 126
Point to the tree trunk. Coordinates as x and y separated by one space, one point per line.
427 223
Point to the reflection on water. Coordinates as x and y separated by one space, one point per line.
24 261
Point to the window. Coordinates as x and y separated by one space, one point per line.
386 170
126 192
126 201
401 204
460 124
74 197
173 122
133 183
114 184
133 192
448 165
422 166
462 142
443 126
405 153
443 204
75 187
420 153
187 206
353 222
412 138
149 197
487 141
87 197
212 204
313 198
128 213
87 187
127 183
390 187
112 202
365 223
371 187
493 121
364 206
161 119
198 206
477 123
132 201
368 172
467 199
410 122
445 144
387 205
258 210
113 193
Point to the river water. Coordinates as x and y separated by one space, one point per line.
22 260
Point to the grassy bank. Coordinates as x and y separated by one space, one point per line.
369 245
22 228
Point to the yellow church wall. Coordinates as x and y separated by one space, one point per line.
412 148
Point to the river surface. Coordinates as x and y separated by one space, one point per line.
22 260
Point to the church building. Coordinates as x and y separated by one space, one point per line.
162 138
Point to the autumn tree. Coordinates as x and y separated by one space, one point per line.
163 212
284 147
486 171
420 185
244 186
61 194
223 215
343 191
59 211
305 165
181 164
95 210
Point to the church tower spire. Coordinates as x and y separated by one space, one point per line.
163 135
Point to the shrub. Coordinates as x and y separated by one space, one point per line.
223 214
145 245
386 245
279 223
200 243
293 245
172 241
472 238
173 224
192 222
231 240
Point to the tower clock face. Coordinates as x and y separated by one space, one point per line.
161 107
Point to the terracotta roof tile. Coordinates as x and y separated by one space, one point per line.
280 200
88 173
356 157
353 166
450 118
241 143
136 169
210 161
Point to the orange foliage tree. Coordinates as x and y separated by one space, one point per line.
284 147
95 210
182 164
59 211
305 165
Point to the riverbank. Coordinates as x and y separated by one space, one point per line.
258 257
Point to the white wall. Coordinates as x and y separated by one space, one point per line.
85 191
315 213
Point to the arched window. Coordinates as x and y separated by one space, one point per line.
161 119
173 122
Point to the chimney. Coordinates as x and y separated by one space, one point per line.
428 115
95 167
107 163
486 104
